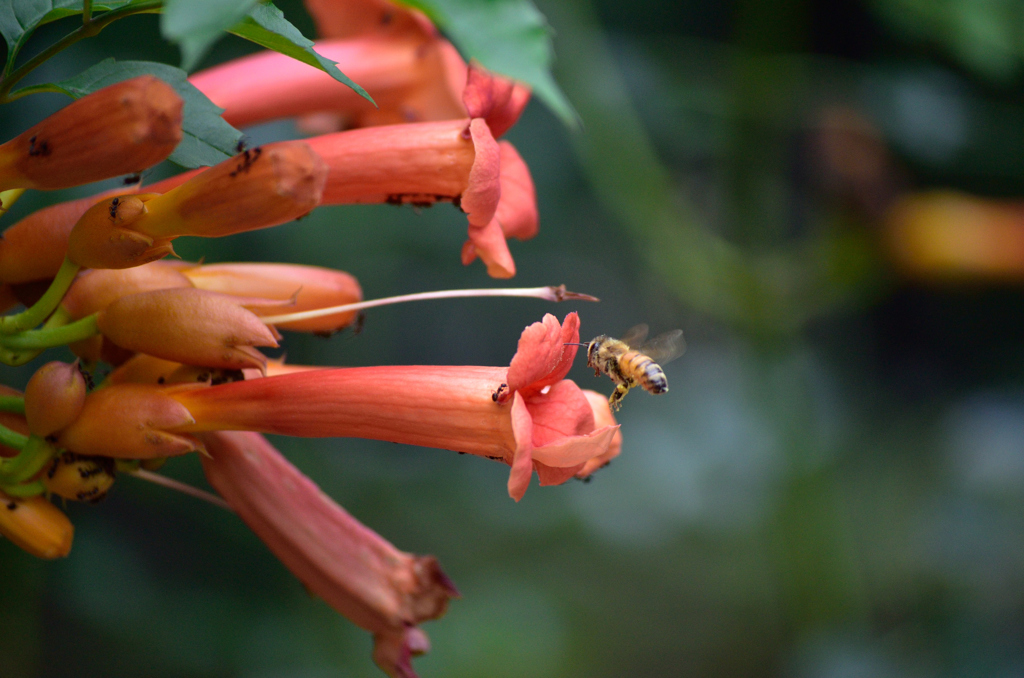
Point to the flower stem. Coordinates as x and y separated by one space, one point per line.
549 293
36 454
53 336
23 490
159 479
12 403
46 305
86 30
12 438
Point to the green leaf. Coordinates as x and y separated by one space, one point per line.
206 138
19 18
196 24
510 37
266 26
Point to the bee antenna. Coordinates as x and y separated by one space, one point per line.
574 343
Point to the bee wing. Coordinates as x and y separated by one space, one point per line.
665 347
635 336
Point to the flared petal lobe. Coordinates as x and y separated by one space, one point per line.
542 357
358 573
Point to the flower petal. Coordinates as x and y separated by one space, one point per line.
522 459
542 357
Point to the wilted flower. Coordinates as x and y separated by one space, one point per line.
354 570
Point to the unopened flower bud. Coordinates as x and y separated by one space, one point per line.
79 478
261 187
95 290
119 129
53 398
130 421
189 326
106 236
36 525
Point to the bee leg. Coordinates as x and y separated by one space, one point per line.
615 400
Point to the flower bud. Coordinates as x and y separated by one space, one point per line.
79 478
119 129
308 288
261 187
129 421
106 236
53 398
36 525
95 290
189 326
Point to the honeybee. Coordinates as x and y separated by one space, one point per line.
628 366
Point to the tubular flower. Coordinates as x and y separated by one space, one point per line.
538 421
306 287
412 78
36 525
262 187
34 248
358 573
187 325
119 129
425 163
365 17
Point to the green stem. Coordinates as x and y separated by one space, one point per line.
11 403
86 30
46 305
24 490
50 337
13 438
36 454
86 12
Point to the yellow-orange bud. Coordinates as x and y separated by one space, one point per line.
36 525
53 398
308 288
189 326
94 290
79 478
106 236
262 187
129 421
119 129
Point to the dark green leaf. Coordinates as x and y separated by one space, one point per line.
510 37
196 24
267 26
206 138
19 18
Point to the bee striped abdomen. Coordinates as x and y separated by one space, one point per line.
645 372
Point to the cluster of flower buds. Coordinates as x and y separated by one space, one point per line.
183 340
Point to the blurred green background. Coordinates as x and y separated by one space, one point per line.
833 486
